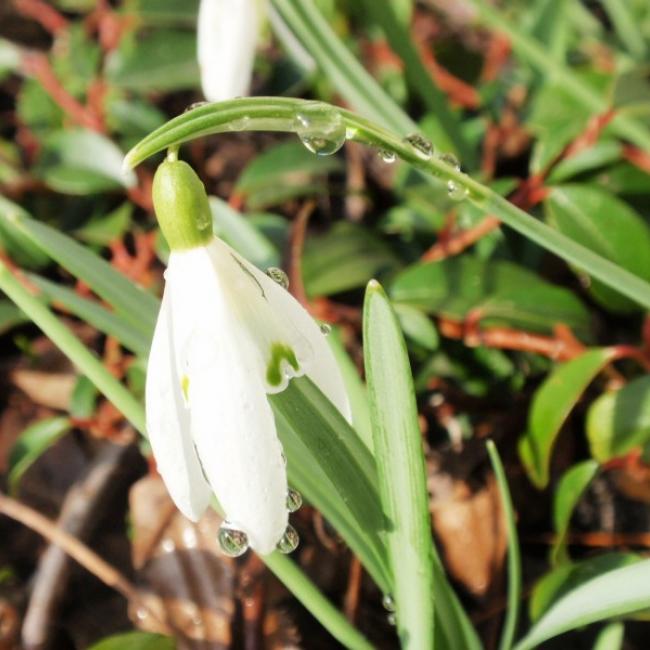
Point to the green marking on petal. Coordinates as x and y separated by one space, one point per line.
280 352
185 387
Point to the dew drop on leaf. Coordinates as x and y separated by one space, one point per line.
423 148
294 500
278 276
320 128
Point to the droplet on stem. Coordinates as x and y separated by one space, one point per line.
320 128
233 542
388 603
289 541
423 148
194 105
456 191
450 159
325 328
279 276
387 156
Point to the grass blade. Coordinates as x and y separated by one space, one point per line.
514 554
135 304
401 469
609 595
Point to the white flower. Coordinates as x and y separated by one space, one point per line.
227 34
227 335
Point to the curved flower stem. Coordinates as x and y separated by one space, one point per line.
279 114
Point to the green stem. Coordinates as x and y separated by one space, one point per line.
306 592
278 114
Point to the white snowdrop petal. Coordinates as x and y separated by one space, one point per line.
231 420
168 424
280 317
226 40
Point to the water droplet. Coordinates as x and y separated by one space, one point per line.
141 614
194 105
233 542
456 191
392 619
279 276
388 603
289 541
325 328
168 545
239 124
320 127
387 156
450 159
294 500
422 146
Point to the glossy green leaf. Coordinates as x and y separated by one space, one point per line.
599 155
417 326
164 59
338 476
238 231
31 443
551 406
135 641
345 258
107 228
284 172
609 227
93 313
83 162
619 421
514 552
501 292
611 594
10 316
167 12
568 492
17 245
135 305
566 577
401 469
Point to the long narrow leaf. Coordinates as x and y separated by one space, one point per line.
514 554
401 469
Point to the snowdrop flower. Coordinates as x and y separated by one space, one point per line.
227 34
227 335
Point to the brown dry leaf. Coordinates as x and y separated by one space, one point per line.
53 390
471 528
191 586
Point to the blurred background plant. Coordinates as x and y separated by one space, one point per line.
546 103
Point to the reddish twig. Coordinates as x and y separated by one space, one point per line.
43 13
296 245
637 157
590 135
446 247
38 66
353 591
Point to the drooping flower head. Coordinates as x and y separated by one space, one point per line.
227 34
227 336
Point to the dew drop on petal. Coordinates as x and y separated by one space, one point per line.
450 159
423 148
278 276
456 191
392 619
320 128
168 545
387 156
388 603
294 500
233 542
325 328
289 541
